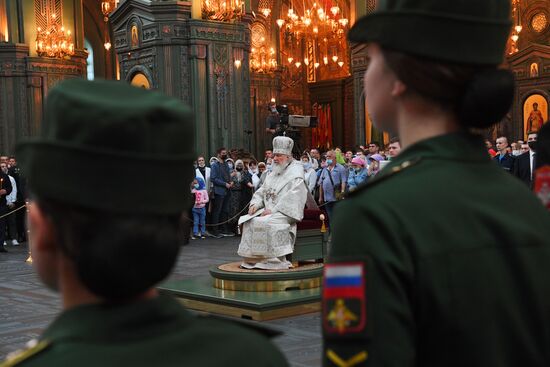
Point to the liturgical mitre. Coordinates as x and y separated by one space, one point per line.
283 145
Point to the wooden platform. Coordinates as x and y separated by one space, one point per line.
200 294
232 277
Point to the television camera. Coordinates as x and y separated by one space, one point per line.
289 125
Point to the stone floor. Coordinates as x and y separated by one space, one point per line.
26 307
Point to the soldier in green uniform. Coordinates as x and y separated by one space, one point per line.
429 265
105 231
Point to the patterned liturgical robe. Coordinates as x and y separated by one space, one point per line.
266 240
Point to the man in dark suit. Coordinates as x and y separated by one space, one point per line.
219 176
526 163
504 159
5 190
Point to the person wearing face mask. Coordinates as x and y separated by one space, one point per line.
254 173
516 149
221 181
526 164
310 176
357 173
332 183
268 168
241 193
230 164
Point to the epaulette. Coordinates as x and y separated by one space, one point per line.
261 329
384 175
33 348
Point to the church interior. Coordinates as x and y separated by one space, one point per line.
228 60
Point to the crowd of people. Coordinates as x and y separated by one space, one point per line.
223 188
229 181
517 157
12 198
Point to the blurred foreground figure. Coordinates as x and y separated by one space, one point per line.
428 264
103 240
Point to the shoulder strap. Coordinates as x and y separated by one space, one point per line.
18 357
330 176
261 329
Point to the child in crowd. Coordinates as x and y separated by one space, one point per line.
199 209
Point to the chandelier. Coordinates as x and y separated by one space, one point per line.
314 36
54 41
262 60
223 10
516 30
264 7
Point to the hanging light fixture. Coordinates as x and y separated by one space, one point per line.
54 41
516 15
107 7
223 10
264 7
314 34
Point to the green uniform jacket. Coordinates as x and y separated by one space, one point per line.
442 260
157 332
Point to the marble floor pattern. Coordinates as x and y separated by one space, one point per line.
27 307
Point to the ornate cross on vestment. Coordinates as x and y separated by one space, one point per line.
271 195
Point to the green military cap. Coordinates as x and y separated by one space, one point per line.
110 146
468 31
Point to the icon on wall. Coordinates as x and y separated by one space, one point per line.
535 112
135 36
534 70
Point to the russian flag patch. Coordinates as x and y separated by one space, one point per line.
344 306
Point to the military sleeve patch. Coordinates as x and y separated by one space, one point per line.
344 299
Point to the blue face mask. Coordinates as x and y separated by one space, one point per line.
307 166
196 186
329 161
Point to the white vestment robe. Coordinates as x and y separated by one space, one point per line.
266 240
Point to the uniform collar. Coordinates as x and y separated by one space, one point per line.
458 146
118 321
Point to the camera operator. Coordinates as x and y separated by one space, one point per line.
272 119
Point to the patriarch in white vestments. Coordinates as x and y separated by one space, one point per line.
269 229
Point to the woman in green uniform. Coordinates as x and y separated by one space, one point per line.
429 266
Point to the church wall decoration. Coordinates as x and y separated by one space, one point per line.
321 136
47 12
535 113
140 80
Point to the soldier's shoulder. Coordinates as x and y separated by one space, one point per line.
20 357
231 335
392 174
240 327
